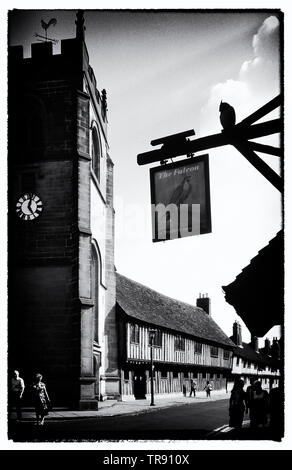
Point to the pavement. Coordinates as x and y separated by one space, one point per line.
128 406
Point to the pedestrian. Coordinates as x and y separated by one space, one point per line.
184 390
258 406
276 412
41 399
249 391
193 388
237 404
16 392
208 388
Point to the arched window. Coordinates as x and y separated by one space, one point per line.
94 290
96 153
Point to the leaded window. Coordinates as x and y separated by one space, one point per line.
134 333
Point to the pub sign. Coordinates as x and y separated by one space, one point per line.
180 199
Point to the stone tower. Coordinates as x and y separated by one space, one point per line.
61 280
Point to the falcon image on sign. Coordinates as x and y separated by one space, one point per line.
180 199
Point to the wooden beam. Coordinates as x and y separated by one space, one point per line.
278 152
261 112
211 141
245 149
171 138
259 130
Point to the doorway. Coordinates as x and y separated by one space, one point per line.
139 384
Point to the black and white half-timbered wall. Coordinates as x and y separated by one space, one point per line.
187 344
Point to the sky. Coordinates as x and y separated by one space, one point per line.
166 72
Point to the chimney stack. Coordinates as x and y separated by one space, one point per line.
275 349
236 337
255 343
204 302
267 346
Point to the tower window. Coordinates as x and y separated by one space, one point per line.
96 154
95 284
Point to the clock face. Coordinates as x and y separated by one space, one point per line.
29 206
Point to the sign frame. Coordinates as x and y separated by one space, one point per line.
204 159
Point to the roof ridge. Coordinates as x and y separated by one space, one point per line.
146 304
164 295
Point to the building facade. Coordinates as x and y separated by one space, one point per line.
249 361
61 279
187 345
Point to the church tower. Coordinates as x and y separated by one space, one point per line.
61 279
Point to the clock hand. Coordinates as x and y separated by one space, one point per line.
29 206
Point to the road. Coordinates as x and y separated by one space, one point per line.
191 421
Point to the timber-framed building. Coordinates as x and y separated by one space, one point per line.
188 344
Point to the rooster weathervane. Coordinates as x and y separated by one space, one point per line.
45 26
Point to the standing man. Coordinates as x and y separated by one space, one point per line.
17 389
249 391
193 388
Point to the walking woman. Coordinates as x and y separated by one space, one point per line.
41 399
208 388
237 404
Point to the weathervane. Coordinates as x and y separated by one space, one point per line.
46 26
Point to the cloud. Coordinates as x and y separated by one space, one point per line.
258 79
262 71
266 41
231 90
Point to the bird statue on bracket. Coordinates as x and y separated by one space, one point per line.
46 26
227 115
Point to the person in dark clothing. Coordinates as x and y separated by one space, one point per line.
193 388
276 411
249 391
237 404
15 394
258 406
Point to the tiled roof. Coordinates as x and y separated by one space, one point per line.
145 304
257 293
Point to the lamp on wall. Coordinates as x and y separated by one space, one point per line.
152 333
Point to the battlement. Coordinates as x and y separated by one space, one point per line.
73 62
69 47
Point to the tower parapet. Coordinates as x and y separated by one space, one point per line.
71 63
